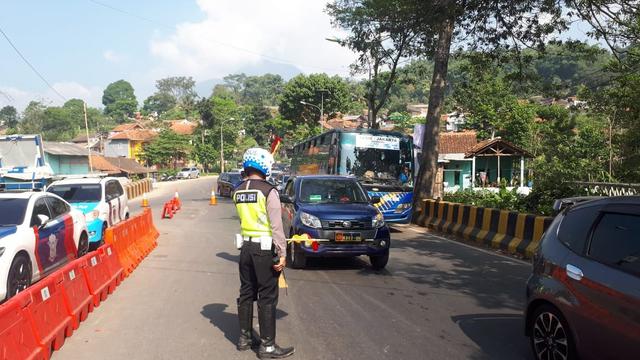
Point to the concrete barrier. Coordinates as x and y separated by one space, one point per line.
514 232
137 188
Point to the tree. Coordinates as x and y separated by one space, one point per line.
256 123
33 118
119 100
159 103
312 89
9 115
179 88
380 39
167 149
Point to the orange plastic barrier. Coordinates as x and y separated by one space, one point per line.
108 254
97 276
48 313
17 339
133 239
168 210
77 296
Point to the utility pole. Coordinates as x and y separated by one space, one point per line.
86 128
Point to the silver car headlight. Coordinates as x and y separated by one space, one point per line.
377 221
310 220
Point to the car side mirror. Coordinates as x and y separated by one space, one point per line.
286 199
44 219
375 200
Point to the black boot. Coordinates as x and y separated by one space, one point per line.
268 347
245 315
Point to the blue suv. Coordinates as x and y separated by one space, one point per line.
338 216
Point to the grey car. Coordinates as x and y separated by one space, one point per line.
188 173
583 297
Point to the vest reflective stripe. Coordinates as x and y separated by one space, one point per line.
252 209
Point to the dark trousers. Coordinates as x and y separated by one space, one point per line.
258 280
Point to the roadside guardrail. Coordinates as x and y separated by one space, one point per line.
511 231
138 187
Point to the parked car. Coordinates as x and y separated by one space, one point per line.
583 297
338 214
227 183
188 173
103 202
39 232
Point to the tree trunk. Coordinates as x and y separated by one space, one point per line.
424 185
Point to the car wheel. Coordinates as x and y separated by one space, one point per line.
83 245
550 335
298 260
19 277
379 262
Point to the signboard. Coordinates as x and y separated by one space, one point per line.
377 142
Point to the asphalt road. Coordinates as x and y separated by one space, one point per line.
437 299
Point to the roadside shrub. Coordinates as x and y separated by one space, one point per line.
502 199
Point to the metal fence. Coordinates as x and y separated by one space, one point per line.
609 189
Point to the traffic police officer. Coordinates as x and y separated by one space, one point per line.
262 255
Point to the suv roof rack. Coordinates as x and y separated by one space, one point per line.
561 204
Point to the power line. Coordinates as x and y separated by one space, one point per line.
268 57
31 66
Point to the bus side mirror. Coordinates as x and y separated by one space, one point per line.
375 200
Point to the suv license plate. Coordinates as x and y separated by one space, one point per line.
348 237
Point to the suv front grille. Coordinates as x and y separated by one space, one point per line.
340 224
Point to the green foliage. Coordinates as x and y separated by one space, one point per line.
502 199
308 88
119 100
159 103
205 155
9 115
256 123
59 123
178 91
166 149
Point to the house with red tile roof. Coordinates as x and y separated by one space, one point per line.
128 143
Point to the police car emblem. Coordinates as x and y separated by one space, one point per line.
53 247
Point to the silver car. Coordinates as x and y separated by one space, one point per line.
188 173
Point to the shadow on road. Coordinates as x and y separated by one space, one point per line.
499 336
227 322
225 255
495 282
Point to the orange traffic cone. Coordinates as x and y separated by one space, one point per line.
214 200
145 201
176 198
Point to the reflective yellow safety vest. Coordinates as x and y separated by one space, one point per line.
251 203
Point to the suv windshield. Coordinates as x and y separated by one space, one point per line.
75 193
12 211
235 178
324 191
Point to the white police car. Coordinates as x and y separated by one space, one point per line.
103 201
39 232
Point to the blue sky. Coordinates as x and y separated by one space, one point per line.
81 46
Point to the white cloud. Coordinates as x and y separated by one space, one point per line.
112 56
70 90
236 33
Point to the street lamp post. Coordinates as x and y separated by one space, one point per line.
222 145
321 107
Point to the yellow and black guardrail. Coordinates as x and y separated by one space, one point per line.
137 188
511 231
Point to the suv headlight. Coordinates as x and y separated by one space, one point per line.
310 220
377 221
91 215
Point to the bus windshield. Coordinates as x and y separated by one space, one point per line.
376 158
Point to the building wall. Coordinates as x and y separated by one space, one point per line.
490 165
457 173
117 148
68 165
135 149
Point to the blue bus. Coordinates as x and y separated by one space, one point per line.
381 160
